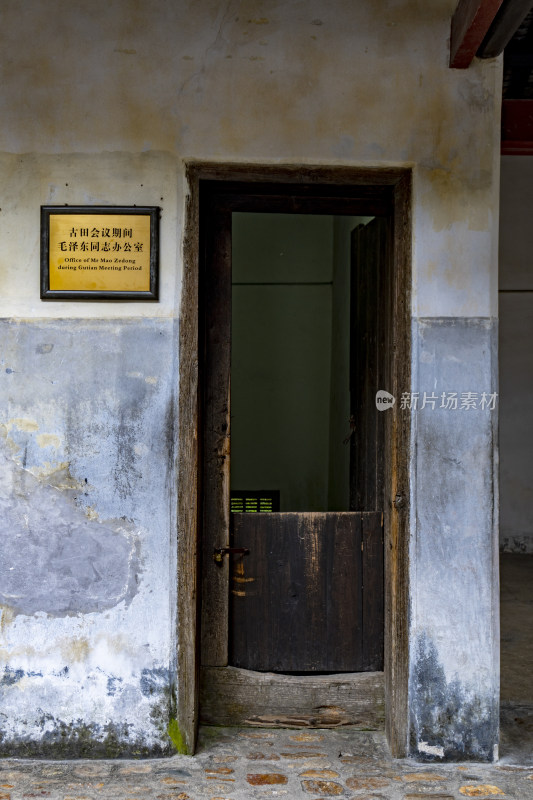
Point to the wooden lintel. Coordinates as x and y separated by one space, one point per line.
470 24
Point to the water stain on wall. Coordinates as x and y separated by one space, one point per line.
57 560
448 722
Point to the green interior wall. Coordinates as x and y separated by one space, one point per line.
290 357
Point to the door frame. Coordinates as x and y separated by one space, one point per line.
373 181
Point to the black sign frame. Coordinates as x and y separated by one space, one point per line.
100 294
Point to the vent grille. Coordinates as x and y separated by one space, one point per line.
254 502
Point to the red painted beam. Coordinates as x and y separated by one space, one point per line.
517 127
470 23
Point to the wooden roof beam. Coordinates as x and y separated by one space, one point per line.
470 24
507 21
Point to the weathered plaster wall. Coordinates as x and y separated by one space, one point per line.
104 107
256 81
454 659
87 561
516 356
32 180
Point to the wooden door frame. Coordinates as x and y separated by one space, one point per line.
395 180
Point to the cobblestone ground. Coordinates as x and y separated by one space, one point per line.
234 764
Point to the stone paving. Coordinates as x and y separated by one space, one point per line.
250 764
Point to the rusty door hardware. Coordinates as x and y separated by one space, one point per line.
399 501
220 552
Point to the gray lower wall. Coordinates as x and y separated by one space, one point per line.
88 563
454 646
87 541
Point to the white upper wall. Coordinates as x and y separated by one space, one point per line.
111 98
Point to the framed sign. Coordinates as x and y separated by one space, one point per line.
99 252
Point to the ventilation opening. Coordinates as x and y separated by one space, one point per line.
256 501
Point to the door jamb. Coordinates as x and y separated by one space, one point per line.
397 471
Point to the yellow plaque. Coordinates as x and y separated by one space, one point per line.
98 253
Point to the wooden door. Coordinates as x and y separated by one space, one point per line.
370 361
308 596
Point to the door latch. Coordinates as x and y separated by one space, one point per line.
399 501
220 552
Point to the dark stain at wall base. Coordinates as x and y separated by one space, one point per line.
74 739
446 715
78 740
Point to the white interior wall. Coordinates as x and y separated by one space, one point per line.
290 397
281 356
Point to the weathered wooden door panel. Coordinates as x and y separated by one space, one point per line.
215 419
298 600
373 590
370 326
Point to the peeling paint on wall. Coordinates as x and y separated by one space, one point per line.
55 559
454 680
87 552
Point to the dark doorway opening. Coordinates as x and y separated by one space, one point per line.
375 452
516 469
